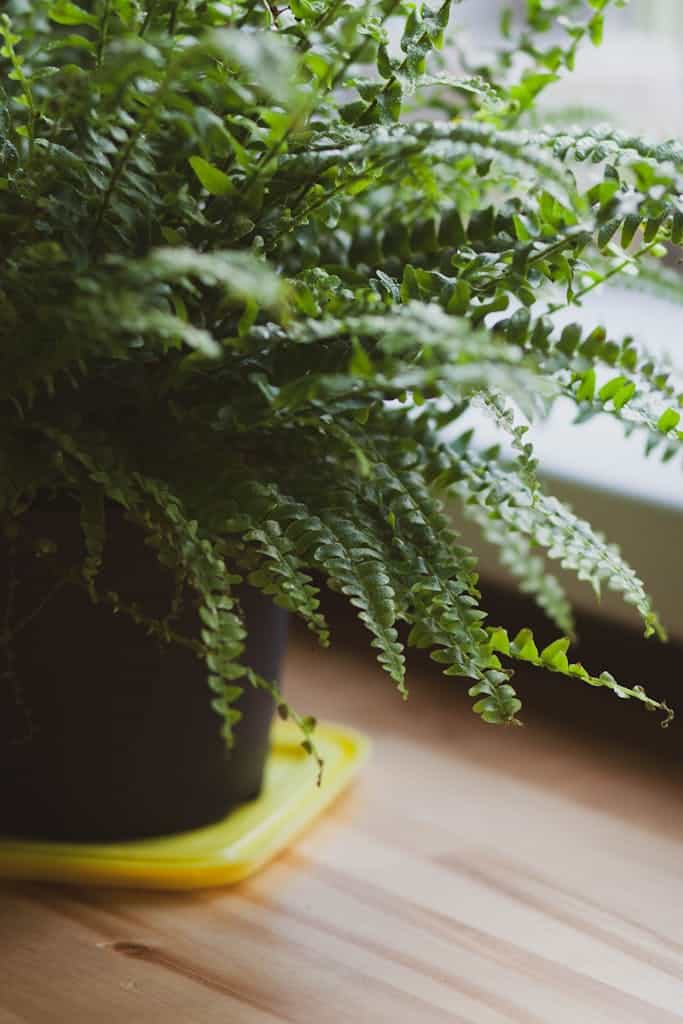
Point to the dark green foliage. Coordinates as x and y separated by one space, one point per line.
243 295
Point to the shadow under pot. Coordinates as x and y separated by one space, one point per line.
107 733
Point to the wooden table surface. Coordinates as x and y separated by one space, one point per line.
471 875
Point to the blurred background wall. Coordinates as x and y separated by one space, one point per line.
635 77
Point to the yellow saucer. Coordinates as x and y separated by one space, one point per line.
219 854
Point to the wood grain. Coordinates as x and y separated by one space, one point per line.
472 875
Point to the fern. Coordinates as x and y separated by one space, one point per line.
248 287
335 545
517 554
553 658
553 526
643 393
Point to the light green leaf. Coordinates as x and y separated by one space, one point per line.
212 178
669 420
64 12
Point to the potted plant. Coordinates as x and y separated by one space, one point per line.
247 292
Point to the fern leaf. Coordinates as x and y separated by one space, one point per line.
553 658
553 526
517 555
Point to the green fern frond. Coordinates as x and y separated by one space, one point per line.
279 574
553 526
553 658
351 559
357 570
517 554
642 393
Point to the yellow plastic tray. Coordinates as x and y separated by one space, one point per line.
219 854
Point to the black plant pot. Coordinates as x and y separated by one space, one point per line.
107 733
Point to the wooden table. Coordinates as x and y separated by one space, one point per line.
472 875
